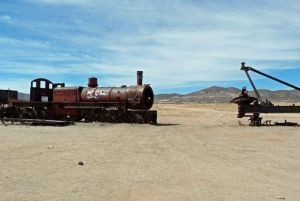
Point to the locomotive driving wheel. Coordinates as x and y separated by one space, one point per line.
123 118
106 118
138 118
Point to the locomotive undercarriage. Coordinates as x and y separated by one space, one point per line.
88 112
119 116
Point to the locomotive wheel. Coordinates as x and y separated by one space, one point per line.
123 118
87 119
107 119
40 114
49 115
14 114
1 113
30 114
138 118
26 116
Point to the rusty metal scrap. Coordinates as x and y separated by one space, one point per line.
38 121
252 107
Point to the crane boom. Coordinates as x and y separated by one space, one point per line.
246 69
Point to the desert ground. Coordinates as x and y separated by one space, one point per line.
195 152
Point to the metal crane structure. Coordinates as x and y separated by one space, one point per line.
255 106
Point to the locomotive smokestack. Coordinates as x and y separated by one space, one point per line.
139 75
93 82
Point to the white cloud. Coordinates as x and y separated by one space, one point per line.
67 2
5 19
176 43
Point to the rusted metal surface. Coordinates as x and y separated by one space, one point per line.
139 97
93 82
66 111
268 109
8 95
42 90
243 98
255 121
249 107
252 107
286 123
67 94
103 94
134 97
110 105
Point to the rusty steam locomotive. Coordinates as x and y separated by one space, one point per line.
54 101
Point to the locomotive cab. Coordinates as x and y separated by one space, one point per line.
42 90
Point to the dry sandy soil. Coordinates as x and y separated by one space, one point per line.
196 152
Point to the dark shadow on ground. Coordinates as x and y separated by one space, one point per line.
164 124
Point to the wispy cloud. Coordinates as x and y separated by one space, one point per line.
178 44
5 19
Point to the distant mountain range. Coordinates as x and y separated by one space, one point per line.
23 96
224 95
217 95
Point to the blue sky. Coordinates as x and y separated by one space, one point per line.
182 46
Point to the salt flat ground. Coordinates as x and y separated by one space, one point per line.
196 152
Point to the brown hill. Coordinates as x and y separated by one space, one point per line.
217 94
23 96
224 95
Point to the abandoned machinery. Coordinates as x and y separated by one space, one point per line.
252 107
54 101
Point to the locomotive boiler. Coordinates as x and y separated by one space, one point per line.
134 97
49 100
